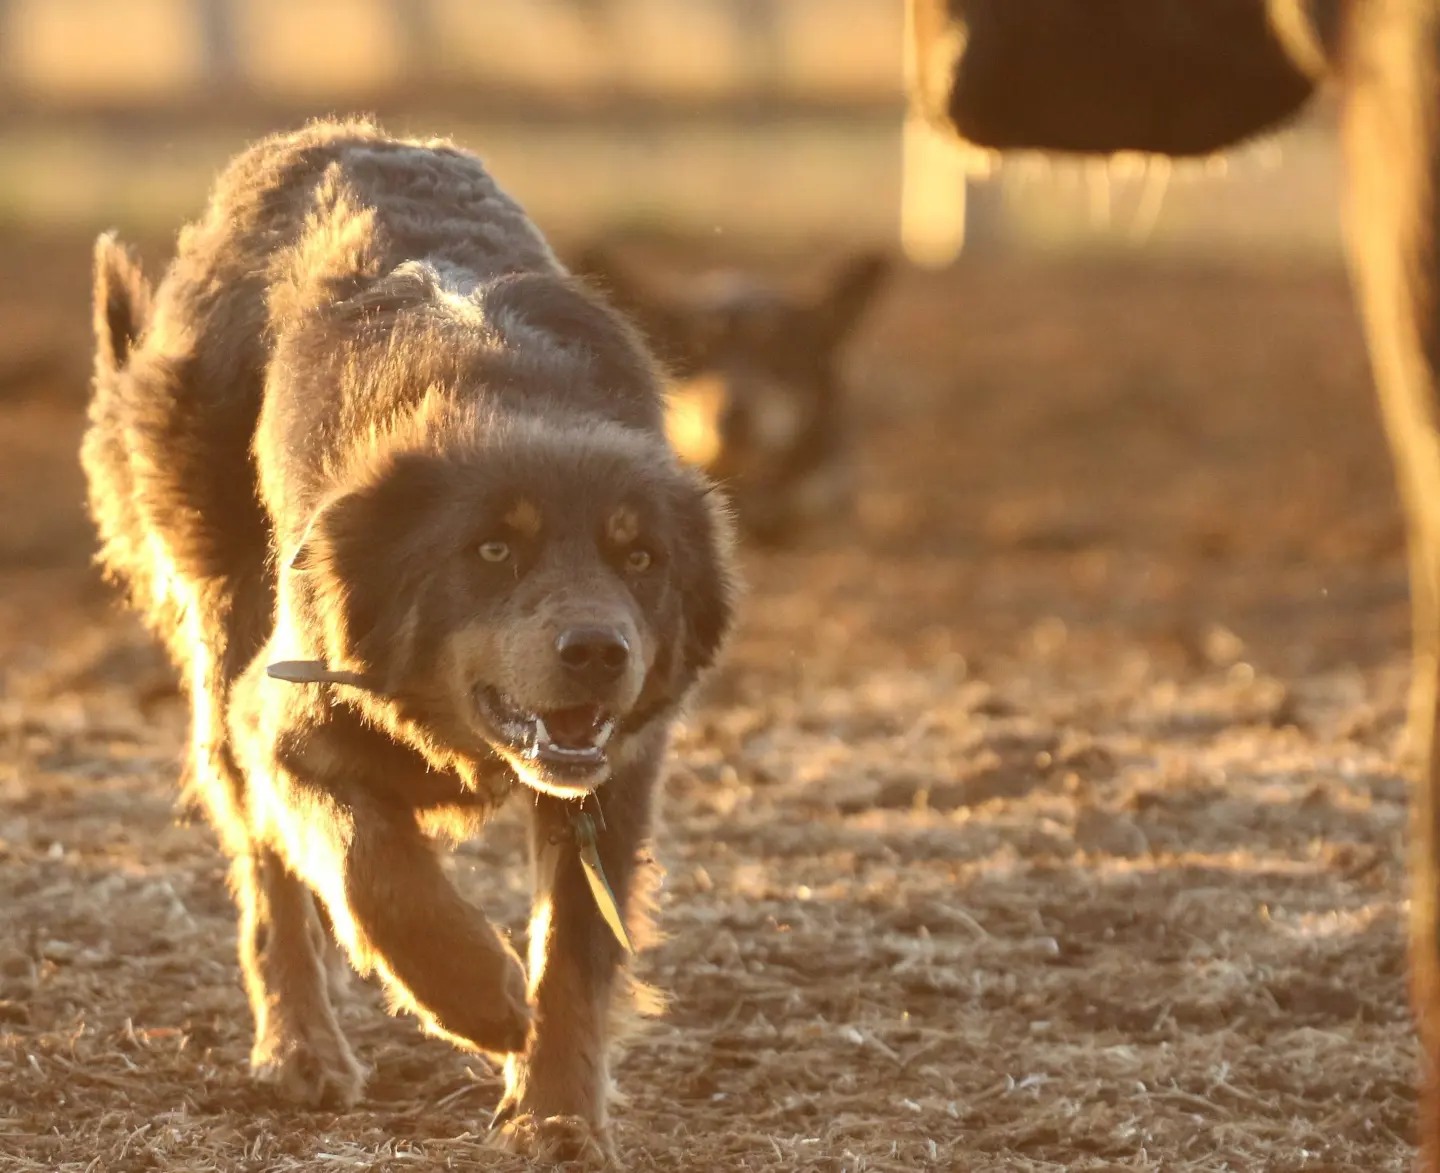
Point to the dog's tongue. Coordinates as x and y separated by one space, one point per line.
574 727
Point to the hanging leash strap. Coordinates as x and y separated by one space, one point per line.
582 828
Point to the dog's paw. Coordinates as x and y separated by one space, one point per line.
556 1139
494 1018
312 1067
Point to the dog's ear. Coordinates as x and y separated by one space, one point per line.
848 294
332 521
309 553
362 552
121 305
380 510
704 560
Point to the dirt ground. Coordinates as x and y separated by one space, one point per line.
1046 817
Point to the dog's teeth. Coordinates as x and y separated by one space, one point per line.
542 737
603 735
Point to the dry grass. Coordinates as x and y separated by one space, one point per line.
1049 819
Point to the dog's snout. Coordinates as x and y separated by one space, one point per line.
594 656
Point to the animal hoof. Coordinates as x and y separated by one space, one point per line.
556 1139
311 1069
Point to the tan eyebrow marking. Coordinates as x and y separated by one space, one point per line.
623 526
524 517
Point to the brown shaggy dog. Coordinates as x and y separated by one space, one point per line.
368 424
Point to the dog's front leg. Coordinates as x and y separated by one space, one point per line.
554 1104
299 1047
396 914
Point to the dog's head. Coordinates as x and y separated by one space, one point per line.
544 591
756 398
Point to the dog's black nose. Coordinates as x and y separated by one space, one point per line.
595 656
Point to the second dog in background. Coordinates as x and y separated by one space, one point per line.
758 398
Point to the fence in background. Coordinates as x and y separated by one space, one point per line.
143 54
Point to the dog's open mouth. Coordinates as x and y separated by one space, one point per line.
568 740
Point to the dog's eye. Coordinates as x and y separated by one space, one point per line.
638 561
495 551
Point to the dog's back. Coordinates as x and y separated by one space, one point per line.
298 220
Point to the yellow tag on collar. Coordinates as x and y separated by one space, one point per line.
595 876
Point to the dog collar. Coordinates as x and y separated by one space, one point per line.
316 672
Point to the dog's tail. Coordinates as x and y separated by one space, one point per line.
119 311
167 452
166 457
121 307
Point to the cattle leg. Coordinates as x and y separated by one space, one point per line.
1391 79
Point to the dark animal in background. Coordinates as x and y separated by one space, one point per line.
368 435
1193 76
757 397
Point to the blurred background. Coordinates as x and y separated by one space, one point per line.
771 121
765 133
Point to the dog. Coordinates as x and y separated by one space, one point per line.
757 398
394 490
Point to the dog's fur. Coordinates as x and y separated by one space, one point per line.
367 422
757 398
